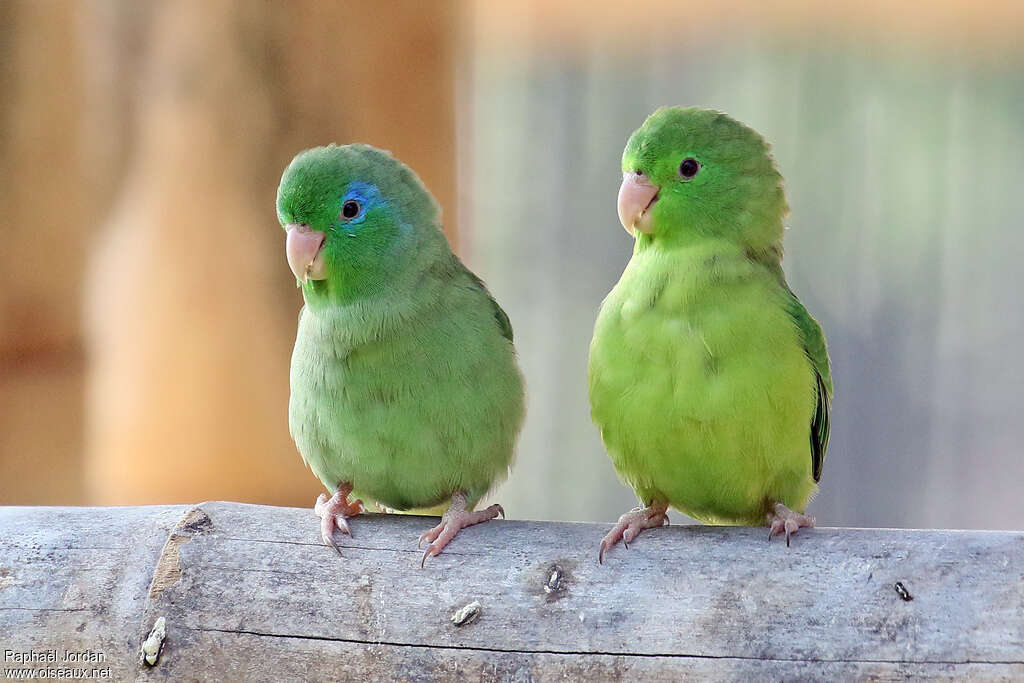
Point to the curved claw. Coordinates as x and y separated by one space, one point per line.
605 547
455 518
333 513
791 528
783 520
330 542
426 554
327 533
631 524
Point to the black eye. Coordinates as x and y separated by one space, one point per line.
350 209
689 167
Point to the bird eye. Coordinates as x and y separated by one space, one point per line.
350 209
689 168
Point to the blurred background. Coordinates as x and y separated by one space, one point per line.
147 312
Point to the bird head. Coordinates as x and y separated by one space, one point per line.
354 217
691 173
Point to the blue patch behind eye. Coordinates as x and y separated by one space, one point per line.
368 196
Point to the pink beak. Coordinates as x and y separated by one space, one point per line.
302 246
636 196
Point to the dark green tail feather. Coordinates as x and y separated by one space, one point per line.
819 429
817 352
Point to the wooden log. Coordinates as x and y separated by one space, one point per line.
249 592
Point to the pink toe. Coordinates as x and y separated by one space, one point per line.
430 534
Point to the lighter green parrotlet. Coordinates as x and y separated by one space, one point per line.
404 382
709 380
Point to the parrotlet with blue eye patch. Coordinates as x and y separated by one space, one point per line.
404 383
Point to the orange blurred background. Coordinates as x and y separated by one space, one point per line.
147 318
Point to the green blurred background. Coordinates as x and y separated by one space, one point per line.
147 312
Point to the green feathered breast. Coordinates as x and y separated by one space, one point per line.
410 399
701 386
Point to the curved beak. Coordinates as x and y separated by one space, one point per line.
636 197
302 246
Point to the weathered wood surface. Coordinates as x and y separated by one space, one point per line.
248 592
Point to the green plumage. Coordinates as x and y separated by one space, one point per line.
404 379
709 380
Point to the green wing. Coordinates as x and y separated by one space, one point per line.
499 315
504 324
814 346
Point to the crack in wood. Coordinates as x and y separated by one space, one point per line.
599 653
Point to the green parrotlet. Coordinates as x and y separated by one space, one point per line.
404 382
709 380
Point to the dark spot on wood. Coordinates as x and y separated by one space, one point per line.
195 522
902 591
554 579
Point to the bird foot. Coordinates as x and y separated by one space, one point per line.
455 518
335 511
631 524
782 519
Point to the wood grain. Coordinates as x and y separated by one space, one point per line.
248 592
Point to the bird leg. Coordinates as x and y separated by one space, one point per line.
782 519
632 523
455 517
334 512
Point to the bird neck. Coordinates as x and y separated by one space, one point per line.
769 253
338 290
